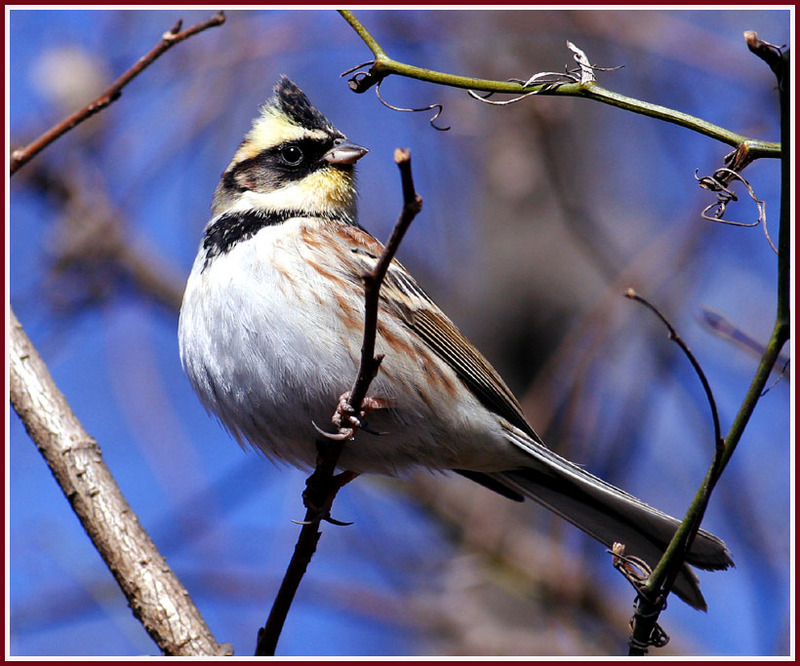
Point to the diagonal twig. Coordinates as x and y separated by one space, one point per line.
654 588
21 156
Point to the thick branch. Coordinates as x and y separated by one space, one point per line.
152 590
23 155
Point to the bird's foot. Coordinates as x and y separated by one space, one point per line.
348 421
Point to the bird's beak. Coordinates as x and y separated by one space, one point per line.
344 152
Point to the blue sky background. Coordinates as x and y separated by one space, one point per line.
530 276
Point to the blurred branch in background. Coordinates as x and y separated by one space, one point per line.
22 156
92 255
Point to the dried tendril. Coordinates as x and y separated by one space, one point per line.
439 108
719 182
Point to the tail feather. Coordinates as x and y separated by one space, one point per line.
610 515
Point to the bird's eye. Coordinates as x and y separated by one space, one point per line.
292 155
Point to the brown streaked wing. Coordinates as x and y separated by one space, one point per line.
402 296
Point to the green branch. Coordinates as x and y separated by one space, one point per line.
383 66
663 576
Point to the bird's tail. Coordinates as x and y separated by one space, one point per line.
611 515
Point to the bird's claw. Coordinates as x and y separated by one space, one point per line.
335 436
319 498
348 422
318 519
333 521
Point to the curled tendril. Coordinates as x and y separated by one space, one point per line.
583 73
548 86
362 81
558 79
658 638
550 81
439 108
635 569
719 183
496 102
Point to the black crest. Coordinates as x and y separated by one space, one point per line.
295 105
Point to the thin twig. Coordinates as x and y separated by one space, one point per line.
653 592
769 53
412 204
21 156
673 335
323 484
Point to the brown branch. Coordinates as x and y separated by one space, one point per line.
673 335
412 204
769 53
21 156
156 596
322 485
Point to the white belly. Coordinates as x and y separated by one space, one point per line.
269 348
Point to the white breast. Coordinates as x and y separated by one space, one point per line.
269 343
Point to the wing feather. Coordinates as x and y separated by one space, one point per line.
403 297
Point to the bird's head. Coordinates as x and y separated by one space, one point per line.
293 158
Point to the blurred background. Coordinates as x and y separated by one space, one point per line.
537 217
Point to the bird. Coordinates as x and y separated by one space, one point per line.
270 332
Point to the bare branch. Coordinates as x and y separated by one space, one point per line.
723 327
174 36
653 591
412 204
323 484
156 596
769 53
673 335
